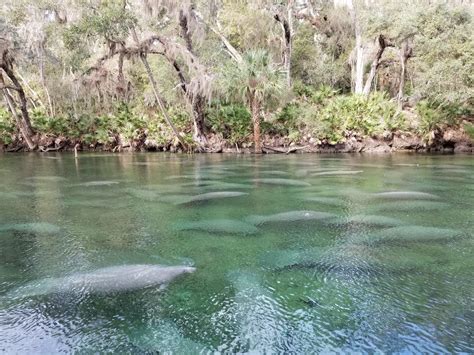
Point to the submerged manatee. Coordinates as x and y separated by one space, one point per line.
283 182
106 280
368 220
38 227
207 196
332 201
291 216
337 173
99 183
143 194
410 205
46 178
405 195
220 226
410 234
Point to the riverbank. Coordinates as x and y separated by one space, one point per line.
451 141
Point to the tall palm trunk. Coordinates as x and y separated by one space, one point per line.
255 107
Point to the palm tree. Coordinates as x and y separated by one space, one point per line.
255 81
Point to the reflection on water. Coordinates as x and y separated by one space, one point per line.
293 253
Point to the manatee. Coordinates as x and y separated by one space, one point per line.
349 260
410 205
220 226
368 220
99 183
47 178
337 172
207 196
101 204
284 182
257 314
410 234
217 185
9 195
145 163
164 337
274 172
288 259
143 194
106 280
405 195
291 216
37 227
333 201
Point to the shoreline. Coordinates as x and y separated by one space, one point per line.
450 142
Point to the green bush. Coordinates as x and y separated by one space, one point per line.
338 116
437 116
233 121
45 124
7 127
469 129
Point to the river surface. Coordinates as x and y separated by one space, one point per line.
294 254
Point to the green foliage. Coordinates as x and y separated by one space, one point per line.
256 78
342 115
7 127
444 55
437 116
233 121
110 22
87 106
320 52
469 129
49 125
313 95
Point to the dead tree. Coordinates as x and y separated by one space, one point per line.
286 23
406 52
196 100
23 119
381 43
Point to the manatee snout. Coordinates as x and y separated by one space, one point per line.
189 269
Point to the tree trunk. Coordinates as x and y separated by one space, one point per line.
19 122
199 119
43 79
405 53
234 53
287 27
158 98
375 63
196 104
196 101
358 68
25 117
359 65
255 107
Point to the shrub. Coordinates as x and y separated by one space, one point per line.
469 129
7 127
437 116
232 120
340 115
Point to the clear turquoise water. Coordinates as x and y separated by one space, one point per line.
341 283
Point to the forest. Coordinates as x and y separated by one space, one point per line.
236 75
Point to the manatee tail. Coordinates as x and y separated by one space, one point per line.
33 289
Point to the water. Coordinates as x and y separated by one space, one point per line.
350 267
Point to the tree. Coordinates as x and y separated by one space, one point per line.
255 82
23 121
